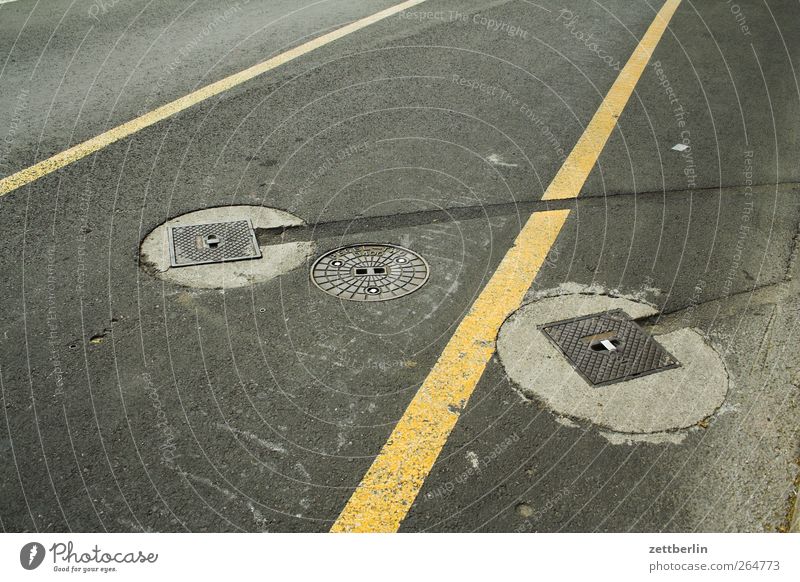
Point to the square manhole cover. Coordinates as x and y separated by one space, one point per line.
608 347
214 242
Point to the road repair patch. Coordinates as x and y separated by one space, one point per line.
672 399
158 257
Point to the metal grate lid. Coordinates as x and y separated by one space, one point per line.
608 347
214 242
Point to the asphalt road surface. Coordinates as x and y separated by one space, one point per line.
136 402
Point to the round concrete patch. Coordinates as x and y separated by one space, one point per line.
669 400
275 261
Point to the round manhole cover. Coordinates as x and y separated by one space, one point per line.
370 272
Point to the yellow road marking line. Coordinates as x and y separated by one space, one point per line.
390 486
383 498
97 143
573 173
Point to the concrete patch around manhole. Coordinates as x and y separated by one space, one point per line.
276 260
669 400
653 438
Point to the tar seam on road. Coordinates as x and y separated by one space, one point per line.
86 148
385 495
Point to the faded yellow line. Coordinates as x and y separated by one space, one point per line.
97 143
383 498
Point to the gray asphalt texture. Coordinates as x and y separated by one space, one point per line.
130 404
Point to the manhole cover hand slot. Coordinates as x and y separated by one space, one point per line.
606 342
211 241
369 271
605 346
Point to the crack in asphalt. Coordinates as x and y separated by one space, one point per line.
523 209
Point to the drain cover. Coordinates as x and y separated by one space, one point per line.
370 272
608 347
214 242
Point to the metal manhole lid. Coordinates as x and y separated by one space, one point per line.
608 347
370 272
213 242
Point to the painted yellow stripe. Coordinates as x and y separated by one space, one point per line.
95 144
572 175
385 494
390 486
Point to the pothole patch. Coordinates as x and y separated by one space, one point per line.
672 399
370 272
217 249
